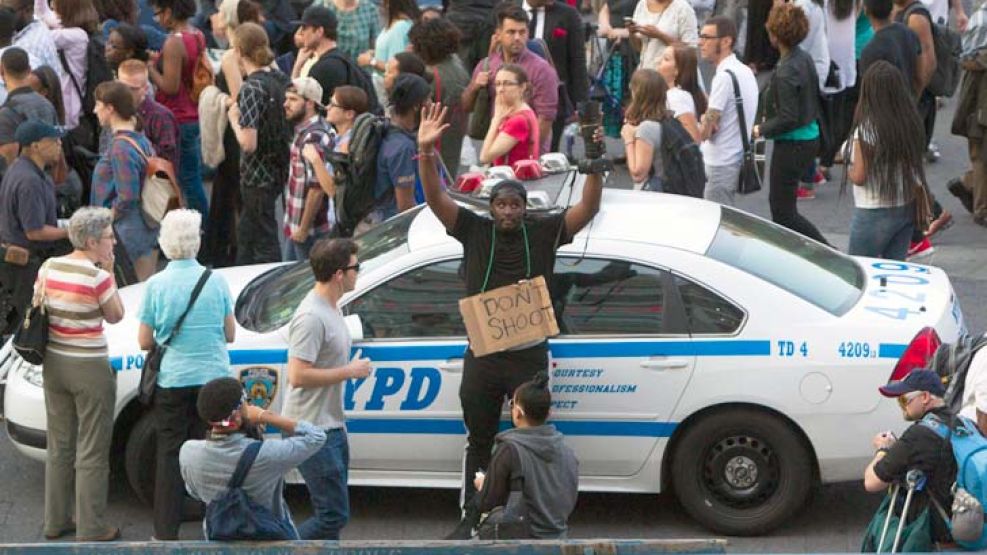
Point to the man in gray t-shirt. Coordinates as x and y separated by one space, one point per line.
318 364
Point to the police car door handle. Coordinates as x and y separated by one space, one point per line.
452 365
664 363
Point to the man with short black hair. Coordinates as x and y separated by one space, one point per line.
892 42
28 223
34 36
22 102
318 365
207 464
921 448
320 58
512 48
722 142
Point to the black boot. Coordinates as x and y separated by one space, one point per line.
957 189
464 530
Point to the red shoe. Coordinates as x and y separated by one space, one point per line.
805 193
920 250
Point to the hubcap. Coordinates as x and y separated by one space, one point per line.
741 471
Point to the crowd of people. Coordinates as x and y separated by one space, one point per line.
94 90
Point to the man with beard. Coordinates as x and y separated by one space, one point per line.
499 250
306 211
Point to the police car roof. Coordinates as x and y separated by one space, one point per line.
632 216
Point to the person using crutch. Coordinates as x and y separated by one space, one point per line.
918 467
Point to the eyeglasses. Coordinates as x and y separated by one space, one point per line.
708 37
354 267
502 84
903 400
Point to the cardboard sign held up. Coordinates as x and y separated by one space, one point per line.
509 316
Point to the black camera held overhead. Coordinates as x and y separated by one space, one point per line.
590 126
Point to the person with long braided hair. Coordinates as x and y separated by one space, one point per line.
887 144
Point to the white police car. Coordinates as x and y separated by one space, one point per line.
701 348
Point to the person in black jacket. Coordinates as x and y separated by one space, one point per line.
792 106
531 458
563 30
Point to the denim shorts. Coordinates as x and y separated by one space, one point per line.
137 237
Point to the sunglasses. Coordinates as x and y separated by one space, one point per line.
354 267
903 400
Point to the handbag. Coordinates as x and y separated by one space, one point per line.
750 178
31 337
152 362
480 120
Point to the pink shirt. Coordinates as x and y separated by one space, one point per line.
523 126
543 84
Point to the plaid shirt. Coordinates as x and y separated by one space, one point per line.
302 178
356 29
161 128
119 174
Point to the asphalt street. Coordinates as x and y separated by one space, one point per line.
833 521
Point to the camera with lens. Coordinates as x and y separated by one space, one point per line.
590 124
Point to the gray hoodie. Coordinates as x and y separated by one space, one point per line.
551 477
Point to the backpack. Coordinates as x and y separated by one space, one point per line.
682 161
952 361
359 78
97 71
970 452
235 516
160 192
202 75
948 44
356 171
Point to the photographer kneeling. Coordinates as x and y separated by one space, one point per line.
533 459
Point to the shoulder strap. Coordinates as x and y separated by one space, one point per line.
65 66
243 465
135 145
739 102
438 84
195 295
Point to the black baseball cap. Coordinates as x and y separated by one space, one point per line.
317 16
33 130
920 379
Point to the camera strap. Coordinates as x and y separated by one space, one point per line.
493 243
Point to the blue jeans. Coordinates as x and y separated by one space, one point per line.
299 251
882 232
326 474
190 169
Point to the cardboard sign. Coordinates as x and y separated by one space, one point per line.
509 316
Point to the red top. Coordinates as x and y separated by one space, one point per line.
181 103
523 126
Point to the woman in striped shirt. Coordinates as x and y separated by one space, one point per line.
80 386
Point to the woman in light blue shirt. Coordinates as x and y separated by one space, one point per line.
400 16
193 357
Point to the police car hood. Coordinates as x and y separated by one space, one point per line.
122 336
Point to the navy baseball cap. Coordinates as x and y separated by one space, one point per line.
920 379
317 16
33 130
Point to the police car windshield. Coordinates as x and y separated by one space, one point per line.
269 301
801 266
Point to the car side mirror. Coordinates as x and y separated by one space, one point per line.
355 326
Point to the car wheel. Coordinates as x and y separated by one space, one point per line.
741 472
139 459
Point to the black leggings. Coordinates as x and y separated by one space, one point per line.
487 381
788 162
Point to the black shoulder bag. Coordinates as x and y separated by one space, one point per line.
152 362
750 179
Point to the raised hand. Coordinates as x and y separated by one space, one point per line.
432 125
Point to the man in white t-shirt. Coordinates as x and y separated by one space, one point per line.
720 128
939 10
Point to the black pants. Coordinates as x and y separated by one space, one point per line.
257 232
16 290
487 381
219 244
788 162
176 420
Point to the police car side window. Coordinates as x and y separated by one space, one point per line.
423 302
607 297
708 313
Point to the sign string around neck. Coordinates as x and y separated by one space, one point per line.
493 243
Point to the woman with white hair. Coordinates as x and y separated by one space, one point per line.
193 357
80 387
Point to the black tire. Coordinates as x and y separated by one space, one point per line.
742 472
139 458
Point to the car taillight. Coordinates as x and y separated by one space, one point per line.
469 181
917 354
